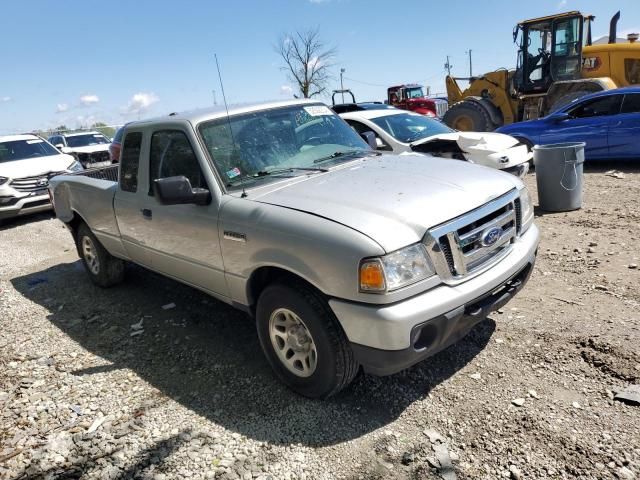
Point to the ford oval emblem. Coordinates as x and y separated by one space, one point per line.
490 236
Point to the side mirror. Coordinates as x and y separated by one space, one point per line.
64 149
559 117
370 138
178 191
379 143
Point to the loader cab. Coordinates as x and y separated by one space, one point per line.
550 50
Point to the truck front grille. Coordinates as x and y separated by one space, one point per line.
441 107
33 184
476 240
95 158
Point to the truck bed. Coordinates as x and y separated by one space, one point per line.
101 173
89 194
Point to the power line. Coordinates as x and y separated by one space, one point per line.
365 83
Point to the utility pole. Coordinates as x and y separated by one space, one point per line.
470 64
214 96
448 66
341 84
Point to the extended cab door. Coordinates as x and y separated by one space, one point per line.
180 241
126 202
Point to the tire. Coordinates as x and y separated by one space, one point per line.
282 310
468 116
104 269
566 99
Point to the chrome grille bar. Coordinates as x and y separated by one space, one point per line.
459 249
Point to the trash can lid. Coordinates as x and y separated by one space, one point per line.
560 146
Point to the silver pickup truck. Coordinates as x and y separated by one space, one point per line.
346 259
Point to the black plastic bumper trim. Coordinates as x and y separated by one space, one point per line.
436 334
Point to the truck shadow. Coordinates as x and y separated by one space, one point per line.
206 356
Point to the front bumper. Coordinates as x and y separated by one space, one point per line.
389 338
16 206
434 335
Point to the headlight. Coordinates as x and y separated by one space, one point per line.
75 166
395 270
3 180
526 208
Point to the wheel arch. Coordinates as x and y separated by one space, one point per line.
266 275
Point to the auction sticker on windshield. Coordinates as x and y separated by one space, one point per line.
33 141
318 110
234 172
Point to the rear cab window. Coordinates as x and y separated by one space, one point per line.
130 161
632 70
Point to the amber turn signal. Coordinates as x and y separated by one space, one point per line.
372 276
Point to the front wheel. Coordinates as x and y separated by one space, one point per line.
303 341
469 116
104 269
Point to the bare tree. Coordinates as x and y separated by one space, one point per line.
307 61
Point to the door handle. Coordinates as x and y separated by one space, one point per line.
146 213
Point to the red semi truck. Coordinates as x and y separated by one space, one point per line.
411 97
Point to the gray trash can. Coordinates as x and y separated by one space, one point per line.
559 175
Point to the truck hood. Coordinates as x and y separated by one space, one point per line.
33 167
103 147
392 199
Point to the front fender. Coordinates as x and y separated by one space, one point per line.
322 252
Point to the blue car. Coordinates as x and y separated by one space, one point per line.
608 122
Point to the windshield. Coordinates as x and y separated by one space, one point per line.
86 140
407 127
23 149
414 92
279 140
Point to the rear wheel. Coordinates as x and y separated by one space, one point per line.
303 341
468 116
104 269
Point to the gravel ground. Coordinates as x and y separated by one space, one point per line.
108 384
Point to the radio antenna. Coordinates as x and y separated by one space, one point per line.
226 107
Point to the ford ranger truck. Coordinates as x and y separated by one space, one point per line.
346 259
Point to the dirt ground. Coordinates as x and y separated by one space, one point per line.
528 394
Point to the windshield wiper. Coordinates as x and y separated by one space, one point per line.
345 153
265 173
278 171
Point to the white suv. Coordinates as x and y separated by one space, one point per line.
27 162
91 149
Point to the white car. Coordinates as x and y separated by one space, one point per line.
27 162
91 149
398 131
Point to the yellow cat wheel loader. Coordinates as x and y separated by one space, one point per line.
557 63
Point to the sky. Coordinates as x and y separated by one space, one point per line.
76 62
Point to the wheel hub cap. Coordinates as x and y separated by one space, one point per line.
90 255
292 342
